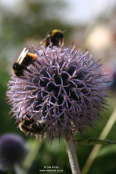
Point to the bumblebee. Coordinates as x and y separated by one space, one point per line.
23 61
55 37
30 125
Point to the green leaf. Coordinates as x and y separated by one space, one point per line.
93 141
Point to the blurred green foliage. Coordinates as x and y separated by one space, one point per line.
14 31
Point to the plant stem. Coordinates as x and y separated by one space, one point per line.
72 154
33 151
19 170
96 148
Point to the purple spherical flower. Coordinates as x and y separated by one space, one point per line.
12 151
64 87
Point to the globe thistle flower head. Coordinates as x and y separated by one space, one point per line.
64 87
12 151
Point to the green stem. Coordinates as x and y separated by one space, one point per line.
18 169
72 154
33 151
96 148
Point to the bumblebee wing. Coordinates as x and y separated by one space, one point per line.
22 55
42 41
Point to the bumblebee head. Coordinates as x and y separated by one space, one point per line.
17 67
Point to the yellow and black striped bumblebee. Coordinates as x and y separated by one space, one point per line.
30 125
23 61
55 37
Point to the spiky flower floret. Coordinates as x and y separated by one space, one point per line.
12 151
64 87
